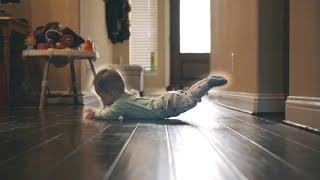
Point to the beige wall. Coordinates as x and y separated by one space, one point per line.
234 30
121 50
305 48
158 80
93 26
20 10
248 44
250 47
303 103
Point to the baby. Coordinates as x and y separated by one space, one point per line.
119 104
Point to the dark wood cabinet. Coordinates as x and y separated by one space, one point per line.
13 33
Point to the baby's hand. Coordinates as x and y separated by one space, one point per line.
89 114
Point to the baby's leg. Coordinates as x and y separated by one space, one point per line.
173 103
188 99
180 102
200 88
177 102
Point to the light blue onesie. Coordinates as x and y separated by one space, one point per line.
170 104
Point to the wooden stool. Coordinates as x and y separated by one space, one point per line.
51 56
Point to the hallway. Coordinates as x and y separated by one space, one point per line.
208 142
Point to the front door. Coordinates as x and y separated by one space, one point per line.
190 41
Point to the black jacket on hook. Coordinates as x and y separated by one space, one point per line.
117 17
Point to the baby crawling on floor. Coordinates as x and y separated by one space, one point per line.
119 104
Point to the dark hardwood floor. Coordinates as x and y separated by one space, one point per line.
207 142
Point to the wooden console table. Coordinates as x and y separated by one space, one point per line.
54 55
7 26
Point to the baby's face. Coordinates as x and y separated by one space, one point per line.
106 98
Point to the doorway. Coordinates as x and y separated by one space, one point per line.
190 42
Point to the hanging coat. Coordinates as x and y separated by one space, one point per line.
117 17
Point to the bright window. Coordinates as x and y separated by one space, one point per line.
143 28
195 31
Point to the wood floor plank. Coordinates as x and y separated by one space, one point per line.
20 128
4 112
296 156
194 157
302 153
207 142
6 116
32 114
11 150
92 160
146 156
252 161
39 161
10 113
291 133
12 147
302 138
16 115
21 121
261 146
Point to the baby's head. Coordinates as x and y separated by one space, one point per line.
109 85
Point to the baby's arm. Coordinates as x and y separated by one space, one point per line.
108 113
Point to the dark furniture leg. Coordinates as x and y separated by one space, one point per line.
74 84
92 67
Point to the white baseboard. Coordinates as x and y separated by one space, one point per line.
249 102
303 110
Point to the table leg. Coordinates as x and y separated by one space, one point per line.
74 84
92 67
44 85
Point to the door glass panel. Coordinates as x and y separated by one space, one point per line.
195 31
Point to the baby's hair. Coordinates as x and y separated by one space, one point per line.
108 80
